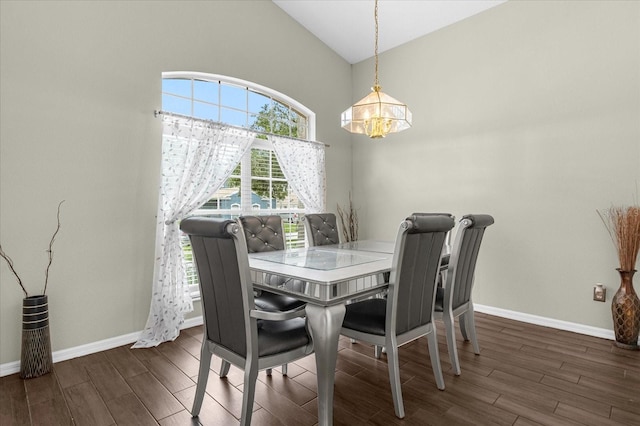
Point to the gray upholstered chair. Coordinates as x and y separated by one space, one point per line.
407 312
263 234
446 250
453 300
233 329
321 229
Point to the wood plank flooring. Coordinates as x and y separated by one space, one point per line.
525 375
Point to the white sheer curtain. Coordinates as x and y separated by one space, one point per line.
197 158
302 163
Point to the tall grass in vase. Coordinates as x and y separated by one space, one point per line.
623 224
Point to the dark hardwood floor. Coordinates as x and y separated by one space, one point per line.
525 375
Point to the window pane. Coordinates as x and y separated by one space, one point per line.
225 197
260 194
177 86
175 104
236 171
276 171
233 96
280 122
212 204
260 163
293 230
206 111
289 200
299 125
253 122
261 121
206 91
257 101
233 117
279 191
189 264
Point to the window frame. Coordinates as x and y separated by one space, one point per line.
281 97
245 177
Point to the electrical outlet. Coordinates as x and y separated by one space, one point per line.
599 293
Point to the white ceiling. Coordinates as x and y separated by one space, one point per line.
348 26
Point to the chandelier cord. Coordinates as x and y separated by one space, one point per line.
375 15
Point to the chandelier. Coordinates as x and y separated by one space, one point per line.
377 114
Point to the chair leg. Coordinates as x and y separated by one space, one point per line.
377 351
471 325
249 391
284 369
224 368
269 371
435 358
463 327
450 330
442 278
203 376
394 378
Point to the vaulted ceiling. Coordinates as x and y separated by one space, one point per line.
348 27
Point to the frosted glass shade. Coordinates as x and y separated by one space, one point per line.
376 115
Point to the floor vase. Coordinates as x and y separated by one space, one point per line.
625 309
35 359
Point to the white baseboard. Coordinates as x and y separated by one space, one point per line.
546 322
90 348
114 342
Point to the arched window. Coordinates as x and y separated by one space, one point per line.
258 182
225 170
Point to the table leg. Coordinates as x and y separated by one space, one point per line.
325 323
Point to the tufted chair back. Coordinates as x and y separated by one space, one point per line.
263 233
321 229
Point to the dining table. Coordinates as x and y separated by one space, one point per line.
332 275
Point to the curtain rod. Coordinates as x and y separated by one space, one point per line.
156 113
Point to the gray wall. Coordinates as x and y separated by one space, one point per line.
79 84
530 112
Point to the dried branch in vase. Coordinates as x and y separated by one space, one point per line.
49 252
349 222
